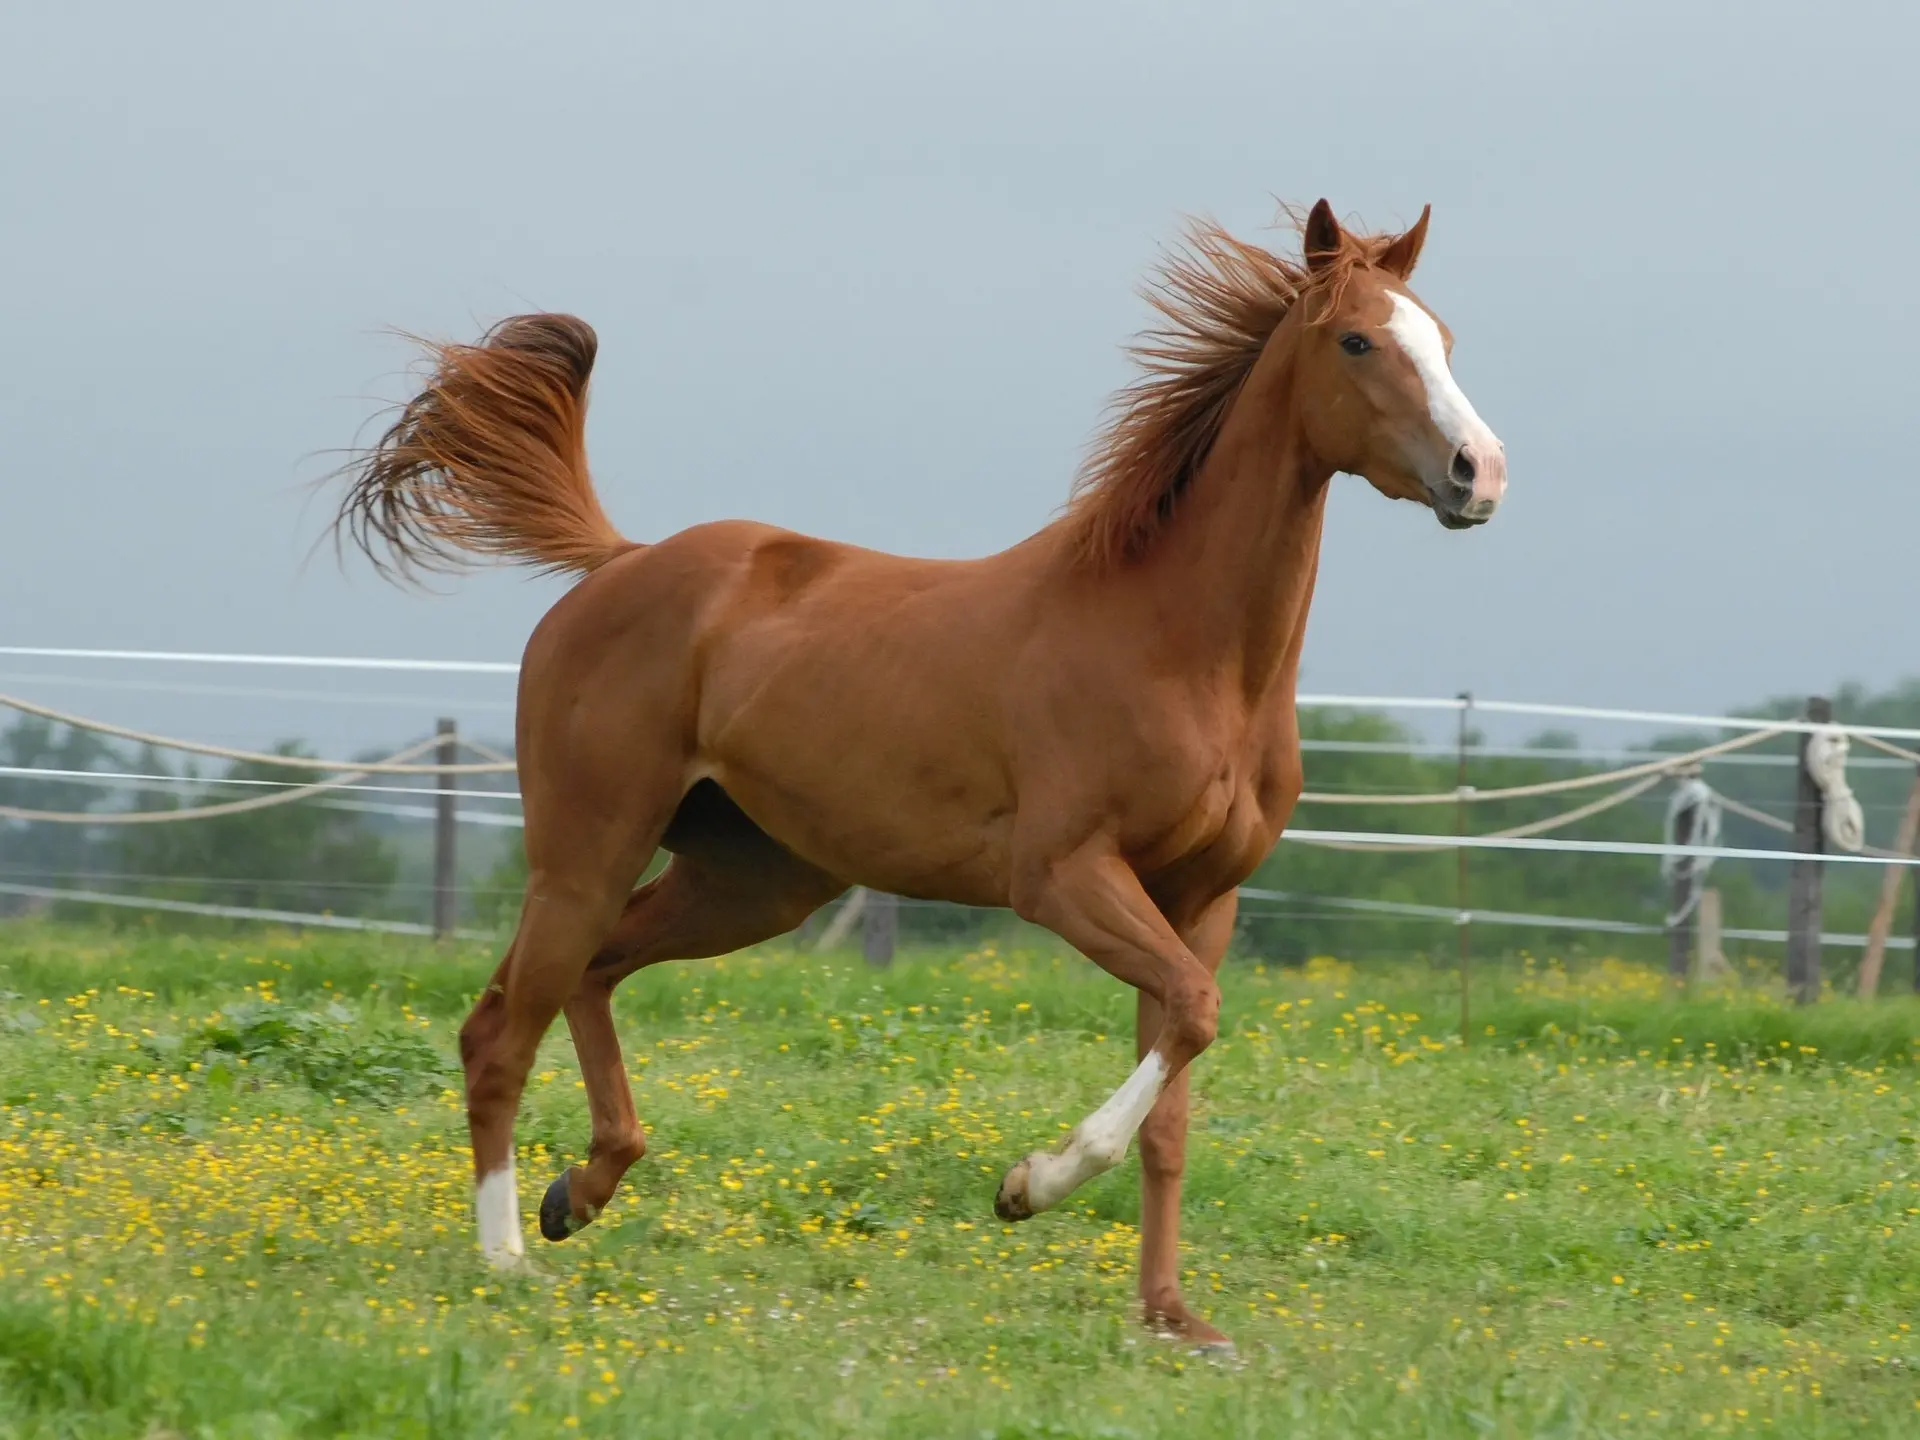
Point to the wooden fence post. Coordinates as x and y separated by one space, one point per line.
1882 925
880 928
1709 961
445 895
843 918
1916 931
1803 886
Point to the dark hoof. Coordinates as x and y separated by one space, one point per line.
1012 1202
556 1211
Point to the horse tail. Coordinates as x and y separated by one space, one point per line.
489 459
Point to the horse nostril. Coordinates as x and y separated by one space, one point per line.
1461 471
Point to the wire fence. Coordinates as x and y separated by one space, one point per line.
390 789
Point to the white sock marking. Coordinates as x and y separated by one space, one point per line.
496 1206
1100 1141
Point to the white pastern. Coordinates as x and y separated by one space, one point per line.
1100 1141
496 1206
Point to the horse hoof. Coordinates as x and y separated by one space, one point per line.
506 1261
1013 1202
557 1221
1179 1326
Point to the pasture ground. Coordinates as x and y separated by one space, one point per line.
234 1201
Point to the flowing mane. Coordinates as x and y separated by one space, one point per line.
1220 299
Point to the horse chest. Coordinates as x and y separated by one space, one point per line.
1211 832
1231 801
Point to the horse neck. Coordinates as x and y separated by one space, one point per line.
1240 557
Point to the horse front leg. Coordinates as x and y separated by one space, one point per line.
1163 1156
1094 902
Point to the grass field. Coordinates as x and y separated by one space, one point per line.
234 1202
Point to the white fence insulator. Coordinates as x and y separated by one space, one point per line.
1696 796
1693 799
1841 817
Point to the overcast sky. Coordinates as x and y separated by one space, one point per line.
866 270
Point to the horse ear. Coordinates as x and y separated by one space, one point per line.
1320 238
1403 254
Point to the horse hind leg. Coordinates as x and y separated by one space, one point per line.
579 876
618 1141
561 926
728 889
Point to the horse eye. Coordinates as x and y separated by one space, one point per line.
1355 343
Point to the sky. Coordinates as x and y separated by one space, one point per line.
867 270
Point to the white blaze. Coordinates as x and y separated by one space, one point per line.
496 1206
1453 414
1100 1141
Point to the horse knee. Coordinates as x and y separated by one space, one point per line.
1192 1011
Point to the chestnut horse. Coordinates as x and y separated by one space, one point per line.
1095 727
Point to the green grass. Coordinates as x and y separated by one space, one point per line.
234 1202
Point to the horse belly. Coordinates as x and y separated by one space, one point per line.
882 775
890 826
